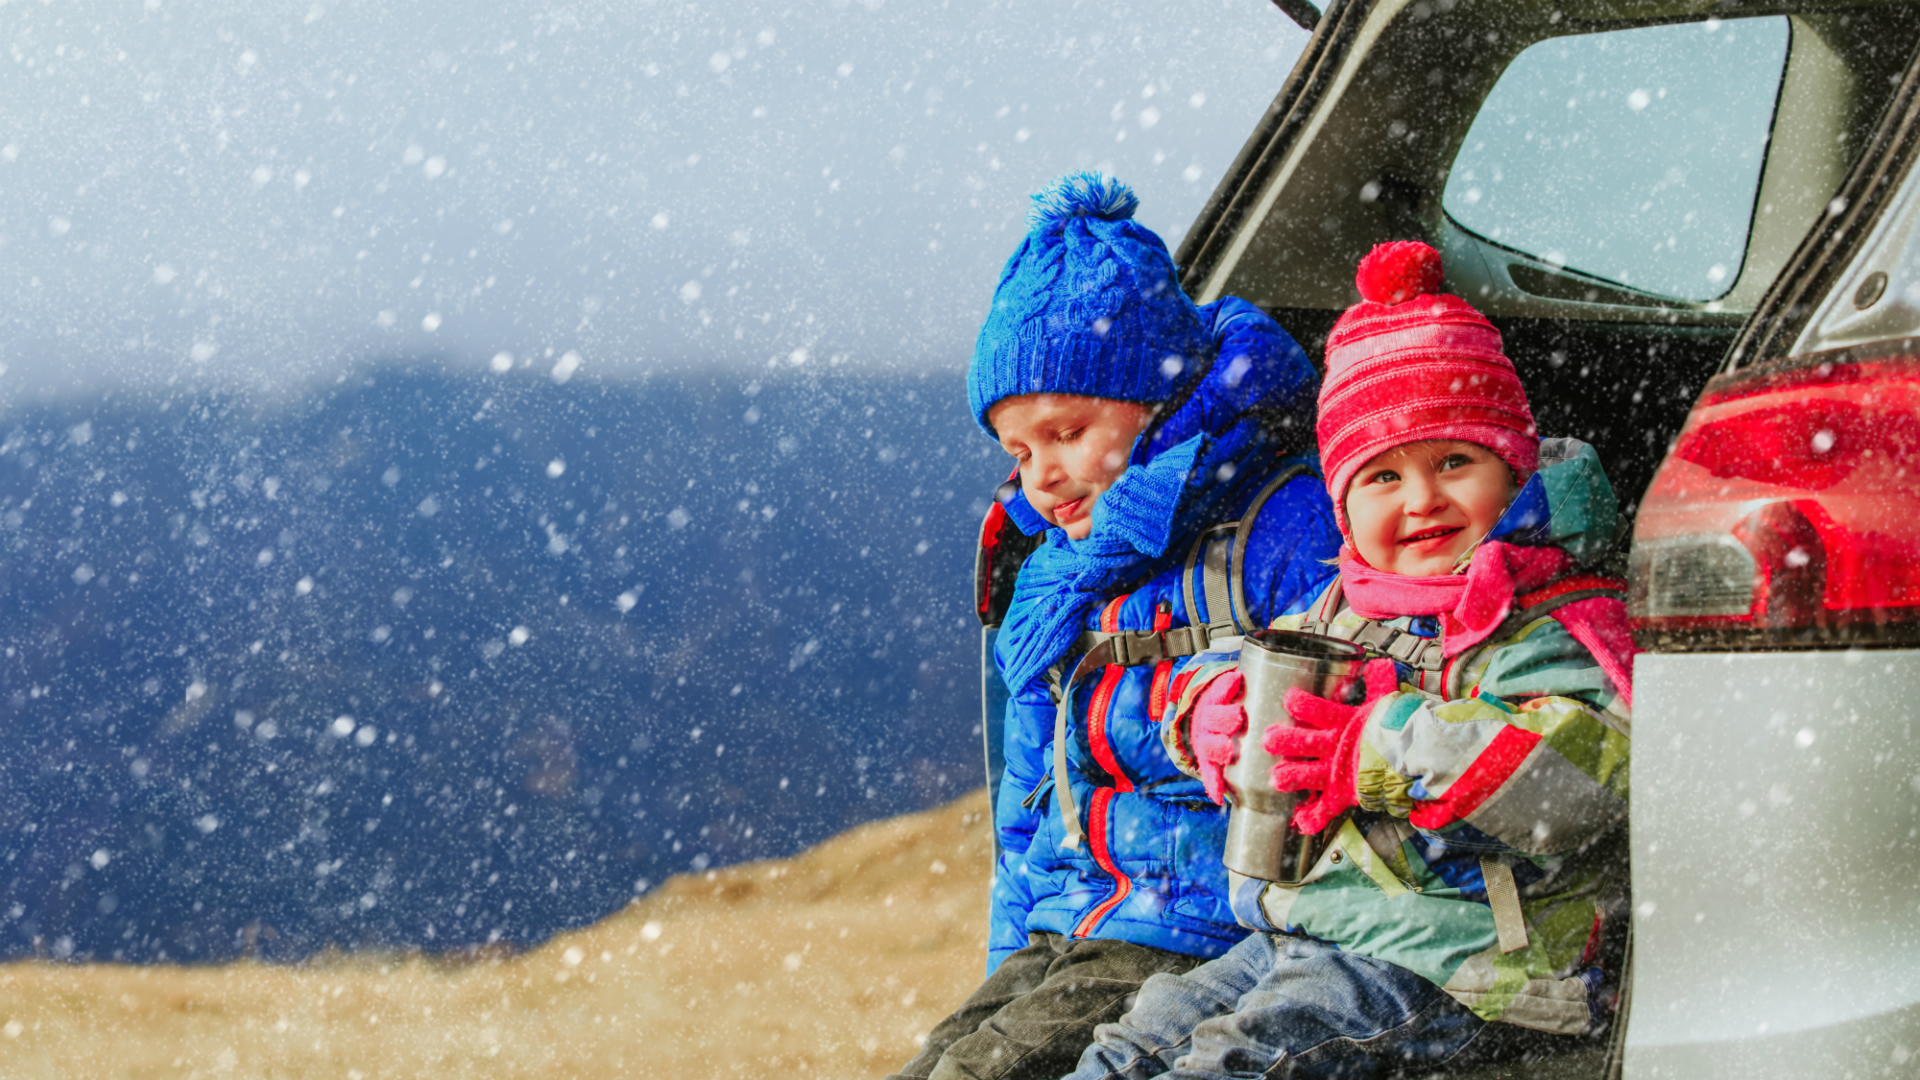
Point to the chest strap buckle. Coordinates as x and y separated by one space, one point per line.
1419 653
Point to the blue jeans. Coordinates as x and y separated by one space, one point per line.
1282 1006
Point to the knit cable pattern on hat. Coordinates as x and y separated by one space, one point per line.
1089 304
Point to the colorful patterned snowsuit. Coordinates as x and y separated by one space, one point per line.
1518 763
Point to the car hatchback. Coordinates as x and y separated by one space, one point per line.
1699 235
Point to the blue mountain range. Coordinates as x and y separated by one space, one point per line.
436 660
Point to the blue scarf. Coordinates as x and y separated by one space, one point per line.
1161 505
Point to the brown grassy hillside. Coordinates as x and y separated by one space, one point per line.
831 964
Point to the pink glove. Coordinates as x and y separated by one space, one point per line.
1321 752
1218 719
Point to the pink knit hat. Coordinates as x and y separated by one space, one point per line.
1409 363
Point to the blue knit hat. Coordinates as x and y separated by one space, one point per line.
1089 305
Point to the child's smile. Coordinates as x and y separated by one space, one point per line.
1425 535
1415 509
1070 510
1070 449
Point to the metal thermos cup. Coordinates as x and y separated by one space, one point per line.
1261 842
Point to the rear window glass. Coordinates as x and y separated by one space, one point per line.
1632 155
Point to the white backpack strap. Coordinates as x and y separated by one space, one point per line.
1208 556
1070 830
1219 555
1237 576
1503 896
1319 618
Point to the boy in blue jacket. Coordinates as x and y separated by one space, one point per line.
1140 423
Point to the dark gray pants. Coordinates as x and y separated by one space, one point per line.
1035 1014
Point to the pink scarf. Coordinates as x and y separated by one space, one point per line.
1474 604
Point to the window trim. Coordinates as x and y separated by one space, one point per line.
1826 252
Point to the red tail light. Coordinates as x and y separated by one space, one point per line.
1788 511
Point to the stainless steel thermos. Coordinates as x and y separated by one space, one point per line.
1261 842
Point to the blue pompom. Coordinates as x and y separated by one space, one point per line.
1081 194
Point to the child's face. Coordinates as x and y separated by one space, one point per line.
1070 449
1415 509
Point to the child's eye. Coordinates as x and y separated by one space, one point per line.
1069 436
1454 461
1384 476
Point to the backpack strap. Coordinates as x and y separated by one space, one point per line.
1220 536
1216 558
1320 615
1426 654
1419 653
1404 646
1070 830
1237 576
1503 896
1130 648
1218 553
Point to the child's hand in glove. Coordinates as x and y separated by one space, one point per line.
1320 753
1219 717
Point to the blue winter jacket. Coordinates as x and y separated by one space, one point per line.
1149 871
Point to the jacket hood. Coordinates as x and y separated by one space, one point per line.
1567 503
1257 368
1213 449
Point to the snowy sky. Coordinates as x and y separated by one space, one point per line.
268 193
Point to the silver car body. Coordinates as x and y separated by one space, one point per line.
1776 820
1776 805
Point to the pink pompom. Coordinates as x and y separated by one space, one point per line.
1396 272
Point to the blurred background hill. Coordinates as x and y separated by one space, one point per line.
833 964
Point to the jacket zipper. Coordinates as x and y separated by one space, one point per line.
1097 710
1163 671
1101 804
1097 843
1102 702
